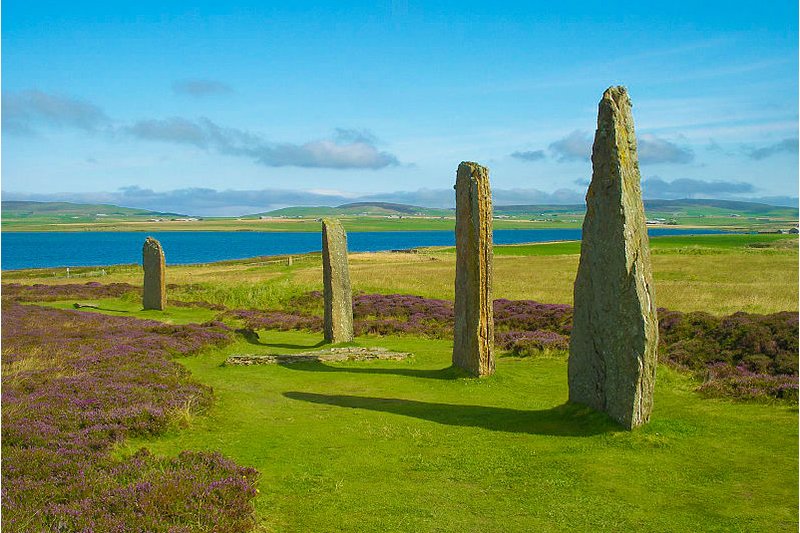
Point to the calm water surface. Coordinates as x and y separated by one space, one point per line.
57 249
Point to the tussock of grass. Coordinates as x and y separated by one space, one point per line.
266 294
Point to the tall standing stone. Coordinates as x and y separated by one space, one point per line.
155 288
612 351
336 279
473 344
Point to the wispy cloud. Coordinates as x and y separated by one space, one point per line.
535 196
345 149
530 155
786 146
714 146
577 146
175 130
24 112
352 135
654 150
200 87
656 187
325 154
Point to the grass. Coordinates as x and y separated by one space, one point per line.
412 446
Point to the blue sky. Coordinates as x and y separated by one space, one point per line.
234 107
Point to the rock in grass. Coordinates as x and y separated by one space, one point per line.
155 289
353 353
473 344
612 360
336 280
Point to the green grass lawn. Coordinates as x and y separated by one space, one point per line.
413 446
723 243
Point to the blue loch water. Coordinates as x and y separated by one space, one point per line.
57 249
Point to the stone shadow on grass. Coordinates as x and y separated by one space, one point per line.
98 308
567 420
292 346
252 337
448 373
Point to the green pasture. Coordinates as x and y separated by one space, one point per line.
722 243
414 446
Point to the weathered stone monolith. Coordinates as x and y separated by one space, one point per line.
473 343
336 279
155 289
612 351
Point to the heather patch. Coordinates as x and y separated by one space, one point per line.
764 345
40 292
724 380
529 343
280 320
74 384
402 314
91 290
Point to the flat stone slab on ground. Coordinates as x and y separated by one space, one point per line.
331 354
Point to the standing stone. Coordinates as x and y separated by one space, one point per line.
473 344
612 350
336 278
155 288
289 261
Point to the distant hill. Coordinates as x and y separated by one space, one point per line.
708 207
670 208
535 209
66 211
360 208
25 212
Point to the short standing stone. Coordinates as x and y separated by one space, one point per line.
155 289
612 354
473 343
336 279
